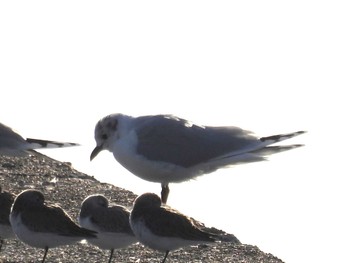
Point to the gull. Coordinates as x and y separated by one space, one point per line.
111 223
6 201
162 228
13 144
44 226
167 149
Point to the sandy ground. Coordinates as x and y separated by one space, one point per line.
67 187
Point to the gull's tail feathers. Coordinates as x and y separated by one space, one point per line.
280 137
41 144
268 150
255 152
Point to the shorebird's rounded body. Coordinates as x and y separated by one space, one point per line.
111 223
6 201
44 226
165 229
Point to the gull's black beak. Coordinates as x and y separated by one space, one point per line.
95 152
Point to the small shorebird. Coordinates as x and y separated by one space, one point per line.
12 144
165 229
44 226
110 222
6 201
167 149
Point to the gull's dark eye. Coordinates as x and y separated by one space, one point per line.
104 136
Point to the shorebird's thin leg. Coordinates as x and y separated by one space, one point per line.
165 193
166 254
1 241
46 249
110 257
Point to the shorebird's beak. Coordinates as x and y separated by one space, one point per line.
95 152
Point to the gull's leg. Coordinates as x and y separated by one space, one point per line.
110 258
165 193
46 249
166 254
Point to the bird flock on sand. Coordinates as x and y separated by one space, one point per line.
160 148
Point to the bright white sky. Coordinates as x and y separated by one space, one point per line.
267 66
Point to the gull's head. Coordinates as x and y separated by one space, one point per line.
106 132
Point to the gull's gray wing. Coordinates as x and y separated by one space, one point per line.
174 140
11 143
10 139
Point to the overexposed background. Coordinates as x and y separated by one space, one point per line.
267 66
